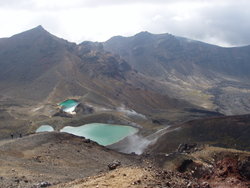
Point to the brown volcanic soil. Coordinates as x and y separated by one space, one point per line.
53 157
133 177
65 160
211 167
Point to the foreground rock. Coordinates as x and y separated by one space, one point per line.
64 160
53 158
133 177
114 165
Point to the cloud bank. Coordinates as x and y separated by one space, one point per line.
221 22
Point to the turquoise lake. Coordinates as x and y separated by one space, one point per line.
69 105
103 134
45 128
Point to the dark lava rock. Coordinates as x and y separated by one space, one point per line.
186 148
160 121
87 141
26 181
184 165
61 113
42 184
17 180
114 165
45 184
84 109
205 185
244 168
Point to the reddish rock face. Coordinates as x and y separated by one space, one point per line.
226 173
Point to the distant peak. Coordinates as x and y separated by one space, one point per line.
39 27
36 31
144 36
144 33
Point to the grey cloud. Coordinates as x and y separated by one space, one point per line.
230 23
217 23
65 4
16 4
154 2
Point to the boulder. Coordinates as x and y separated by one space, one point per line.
114 165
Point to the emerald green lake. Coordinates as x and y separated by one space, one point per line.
69 105
45 128
103 134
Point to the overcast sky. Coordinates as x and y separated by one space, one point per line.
221 22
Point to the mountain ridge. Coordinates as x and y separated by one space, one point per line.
177 36
185 68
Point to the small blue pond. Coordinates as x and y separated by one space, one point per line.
45 128
69 105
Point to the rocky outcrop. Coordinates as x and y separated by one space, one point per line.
84 109
187 148
244 168
114 165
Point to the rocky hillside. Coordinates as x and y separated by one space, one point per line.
63 160
54 158
204 74
35 63
228 132
39 70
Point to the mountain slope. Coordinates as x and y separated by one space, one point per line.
39 70
25 59
228 132
172 52
206 75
